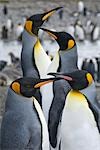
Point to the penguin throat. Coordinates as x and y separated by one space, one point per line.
69 61
75 95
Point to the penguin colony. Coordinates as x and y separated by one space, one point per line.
53 106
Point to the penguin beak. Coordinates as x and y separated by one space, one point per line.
61 76
49 13
43 17
51 33
45 81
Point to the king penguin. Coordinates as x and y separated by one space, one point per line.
31 58
23 125
61 62
79 123
64 61
95 33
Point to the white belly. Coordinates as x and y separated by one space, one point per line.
78 128
47 97
45 135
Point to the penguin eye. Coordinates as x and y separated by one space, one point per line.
71 44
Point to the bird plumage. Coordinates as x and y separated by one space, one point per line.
29 38
67 62
24 125
62 62
79 122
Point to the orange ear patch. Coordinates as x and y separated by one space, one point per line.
16 87
28 26
71 44
89 78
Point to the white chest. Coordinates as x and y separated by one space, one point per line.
78 128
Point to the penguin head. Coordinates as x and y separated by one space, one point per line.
34 22
78 80
64 39
27 86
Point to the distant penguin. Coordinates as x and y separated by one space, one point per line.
14 59
89 26
80 6
23 125
80 128
19 31
98 69
3 80
71 29
2 64
79 31
9 24
90 65
95 34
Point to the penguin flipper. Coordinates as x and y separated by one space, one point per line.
56 109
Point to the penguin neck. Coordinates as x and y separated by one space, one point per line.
28 42
17 102
28 39
68 60
54 64
75 98
42 61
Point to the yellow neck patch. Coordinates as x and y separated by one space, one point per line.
75 99
16 87
71 44
37 45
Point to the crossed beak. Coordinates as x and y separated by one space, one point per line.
61 76
51 33
46 81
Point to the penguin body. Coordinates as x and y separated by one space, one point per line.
80 6
28 42
89 65
79 32
23 125
61 62
71 29
95 34
20 127
78 126
66 61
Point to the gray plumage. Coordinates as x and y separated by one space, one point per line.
21 128
28 42
67 63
